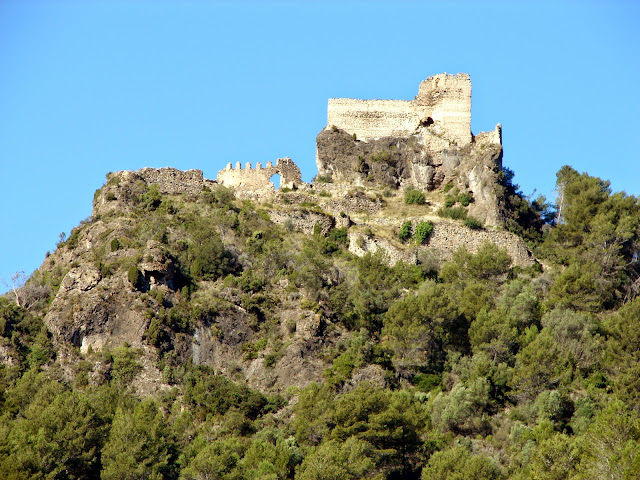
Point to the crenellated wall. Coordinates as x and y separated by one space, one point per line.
443 106
250 181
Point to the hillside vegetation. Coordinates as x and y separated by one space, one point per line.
192 337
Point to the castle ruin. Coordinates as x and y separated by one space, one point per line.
443 104
369 147
257 181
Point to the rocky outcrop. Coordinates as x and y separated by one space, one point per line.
407 162
389 161
303 221
123 190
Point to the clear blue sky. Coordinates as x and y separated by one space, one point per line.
90 87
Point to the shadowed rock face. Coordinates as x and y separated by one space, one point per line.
407 162
389 161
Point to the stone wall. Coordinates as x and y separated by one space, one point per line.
446 238
370 119
360 244
443 242
443 104
256 182
173 181
123 189
493 137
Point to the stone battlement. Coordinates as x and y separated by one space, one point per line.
443 106
257 181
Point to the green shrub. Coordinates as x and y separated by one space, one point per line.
338 235
72 241
457 213
152 198
322 179
270 360
250 350
413 196
110 197
425 382
449 201
423 230
135 276
465 198
381 156
473 223
125 364
406 230
115 244
448 187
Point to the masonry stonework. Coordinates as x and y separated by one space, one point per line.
422 143
173 181
443 105
257 181
447 237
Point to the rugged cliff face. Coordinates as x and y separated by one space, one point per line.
173 266
147 270
403 162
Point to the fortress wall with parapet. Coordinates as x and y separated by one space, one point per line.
489 138
257 181
373 118
443 101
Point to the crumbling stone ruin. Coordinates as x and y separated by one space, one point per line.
367 146
443 106
423 143
257 181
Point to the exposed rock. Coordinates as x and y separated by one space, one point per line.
80 279
390 161
372 374
157 267
303 220
360 244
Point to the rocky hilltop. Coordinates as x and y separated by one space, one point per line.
119 274
386 321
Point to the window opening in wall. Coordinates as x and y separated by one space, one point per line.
276 179
426 122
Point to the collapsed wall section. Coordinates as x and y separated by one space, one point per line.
449 98
173 181
257 181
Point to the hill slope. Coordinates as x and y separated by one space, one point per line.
151 320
